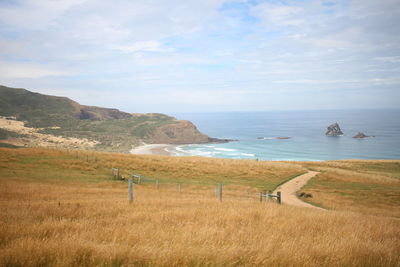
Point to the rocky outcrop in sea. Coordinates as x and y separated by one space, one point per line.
334 130
362 135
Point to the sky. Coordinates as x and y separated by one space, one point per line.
176 56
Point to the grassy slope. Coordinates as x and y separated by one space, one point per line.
372 187
116 135
39 111
189 170
4 134
62 208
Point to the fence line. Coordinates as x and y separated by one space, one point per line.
218 190
267 195
115 172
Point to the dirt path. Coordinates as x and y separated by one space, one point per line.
289 189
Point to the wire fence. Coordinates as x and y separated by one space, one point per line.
219 191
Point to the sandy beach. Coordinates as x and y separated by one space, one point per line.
153 149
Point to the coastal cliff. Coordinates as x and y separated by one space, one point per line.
181 132
33 119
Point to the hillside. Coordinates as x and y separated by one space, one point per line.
64 208
30 119
44 110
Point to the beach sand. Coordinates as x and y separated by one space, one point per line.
153 149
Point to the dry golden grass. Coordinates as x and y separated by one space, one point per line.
57 209
369 187
92 224
189 170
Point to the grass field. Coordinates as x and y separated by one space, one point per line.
370 187
62 208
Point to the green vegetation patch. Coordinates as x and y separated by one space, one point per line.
5 134
52 167
374 188
8 145
117 135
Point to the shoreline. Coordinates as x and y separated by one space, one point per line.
153 149
170 149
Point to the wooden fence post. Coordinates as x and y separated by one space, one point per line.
266 196
130 190
261 195
115 172
278 194
220 192
179 188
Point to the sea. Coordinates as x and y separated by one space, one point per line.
259 134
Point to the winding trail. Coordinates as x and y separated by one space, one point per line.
289 189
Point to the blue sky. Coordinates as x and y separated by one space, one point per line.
205 55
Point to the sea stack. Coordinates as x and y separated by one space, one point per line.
361 135
334 130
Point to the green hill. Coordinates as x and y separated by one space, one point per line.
114 130
43 110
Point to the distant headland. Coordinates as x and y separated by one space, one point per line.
33 119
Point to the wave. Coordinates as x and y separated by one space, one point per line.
205 153
180 148
248 154
274 138
225 149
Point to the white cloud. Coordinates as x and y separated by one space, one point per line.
95 29
170 59
36 14
10 47
146 46
277 14
391 59
188 51
347 38
9 70
317 82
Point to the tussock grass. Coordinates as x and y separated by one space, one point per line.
61 208
92 224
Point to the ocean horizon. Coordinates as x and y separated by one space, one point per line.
296 135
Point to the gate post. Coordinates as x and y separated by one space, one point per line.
130 190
